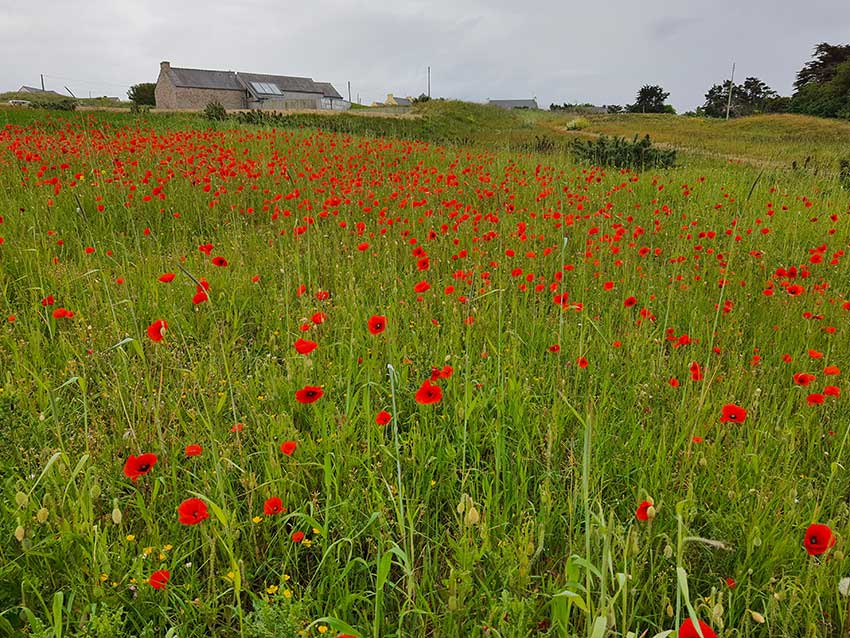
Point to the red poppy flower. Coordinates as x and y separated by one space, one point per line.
194 450
732 413
159 580
642 511
206 249
730 583
309 394
288 447
582 362
362 246
62 313
815 399
136 466
832 391
831 370
273 506
297 537
803 378
167 278
219 261
156 331
377 324
554 348
814 354
687 630
422 286
383 417
237 427
200 297
818 539
629 302
319 318
48 301
304 346
428 394
192 511
696 371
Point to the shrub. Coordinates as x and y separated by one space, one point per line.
215 111
139 109
577 124
56 105
143 94
622 153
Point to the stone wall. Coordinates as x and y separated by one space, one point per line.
164 93
169 96
199 98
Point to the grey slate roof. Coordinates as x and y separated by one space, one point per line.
35 89
237 81
328 90
283 82
205 79
401 101
514 104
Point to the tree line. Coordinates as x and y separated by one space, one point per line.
822 88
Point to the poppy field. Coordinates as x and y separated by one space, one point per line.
266 382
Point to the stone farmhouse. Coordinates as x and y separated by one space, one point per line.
178 88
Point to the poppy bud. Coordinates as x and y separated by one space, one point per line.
117 516
472 516
20 532
21 499
757 617
42 514
651 512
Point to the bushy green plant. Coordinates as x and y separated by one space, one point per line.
283 618
577 124
215 112
622 153
56 105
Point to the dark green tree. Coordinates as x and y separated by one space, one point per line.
826 99
750 97
142 94
650 99
827 58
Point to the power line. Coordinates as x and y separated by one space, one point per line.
91 82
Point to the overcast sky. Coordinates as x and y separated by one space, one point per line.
554 50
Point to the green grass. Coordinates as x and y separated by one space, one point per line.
506 509
776 140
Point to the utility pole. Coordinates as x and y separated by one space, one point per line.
42 81
731 84
349 90
429 81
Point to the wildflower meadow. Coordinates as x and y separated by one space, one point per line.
264 381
